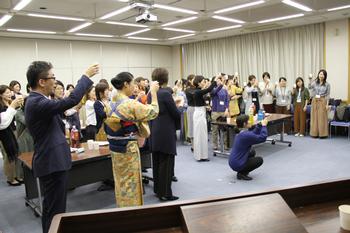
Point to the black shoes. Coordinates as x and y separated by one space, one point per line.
13 183
191 149
171 198
204 160
241 176
174 178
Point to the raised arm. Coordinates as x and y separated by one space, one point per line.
52 107
207 90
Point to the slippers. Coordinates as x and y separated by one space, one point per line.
13 183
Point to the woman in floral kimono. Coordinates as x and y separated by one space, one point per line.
126 127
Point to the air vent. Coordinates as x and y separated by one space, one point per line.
264 27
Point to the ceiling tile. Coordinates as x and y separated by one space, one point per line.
8 4
266 12
78 8
160 34
204 25
205 5
324 4
34 23
108 29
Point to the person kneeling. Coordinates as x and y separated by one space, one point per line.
242 156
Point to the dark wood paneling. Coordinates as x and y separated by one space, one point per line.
260 214
163 216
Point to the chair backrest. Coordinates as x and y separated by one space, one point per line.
331 113
346 116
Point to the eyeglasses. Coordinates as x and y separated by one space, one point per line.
54 78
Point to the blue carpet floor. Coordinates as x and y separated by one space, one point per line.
307 161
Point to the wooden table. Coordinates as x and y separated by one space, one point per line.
274 119
88 167
260 214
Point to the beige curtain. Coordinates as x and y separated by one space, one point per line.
290 53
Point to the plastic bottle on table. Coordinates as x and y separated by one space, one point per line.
251 114
75 137
260 115
67 133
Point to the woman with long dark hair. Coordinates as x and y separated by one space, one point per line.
9 145
319 106
301 97
101 106
90 129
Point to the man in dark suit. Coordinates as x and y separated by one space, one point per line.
52 157
163 138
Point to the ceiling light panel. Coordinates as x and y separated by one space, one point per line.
281 18
93 35
30 31
227 19
108 29
172 8
297 5
56 17
339 8
127 24
161 34
142 38
137 32
20 5
4 19
79 27
116 12
178 30
241 6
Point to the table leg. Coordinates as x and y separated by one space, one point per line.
221 150
39 195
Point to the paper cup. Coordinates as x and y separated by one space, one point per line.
96 146
90 144
344 216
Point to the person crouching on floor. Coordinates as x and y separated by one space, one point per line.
243 158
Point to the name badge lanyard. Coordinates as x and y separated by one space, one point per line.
283 95
299 96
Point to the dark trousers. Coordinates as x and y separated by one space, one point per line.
54 188
252 163
269 108
90 132
163 168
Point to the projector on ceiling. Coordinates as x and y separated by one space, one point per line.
146 17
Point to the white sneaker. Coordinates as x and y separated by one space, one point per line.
296 135
301 135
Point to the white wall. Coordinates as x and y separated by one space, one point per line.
71 58
176 63
337 57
